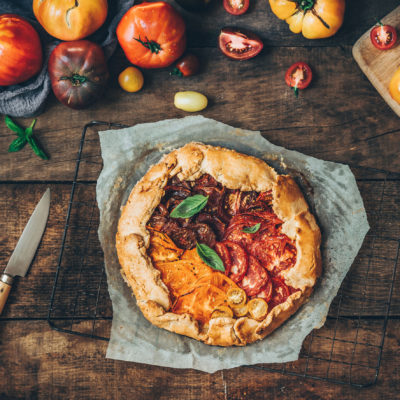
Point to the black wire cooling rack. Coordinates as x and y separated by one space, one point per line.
347 350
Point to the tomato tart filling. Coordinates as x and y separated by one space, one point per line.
220 250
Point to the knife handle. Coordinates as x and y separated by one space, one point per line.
5 287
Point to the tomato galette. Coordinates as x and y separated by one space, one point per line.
217 246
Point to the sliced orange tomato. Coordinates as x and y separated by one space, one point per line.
315 19
394 86
162 248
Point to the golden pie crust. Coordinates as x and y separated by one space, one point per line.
234 171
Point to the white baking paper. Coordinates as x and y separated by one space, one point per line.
331 191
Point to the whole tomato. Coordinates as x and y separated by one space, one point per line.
70 19
152 35
20 50
78 72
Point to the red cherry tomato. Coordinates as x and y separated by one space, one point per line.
239 44
239 261
298 76
188 65
236 7
383 37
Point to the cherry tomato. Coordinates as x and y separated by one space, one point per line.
190 101
383 37
236 7
394 86
188 65
239 44
298 76
131 79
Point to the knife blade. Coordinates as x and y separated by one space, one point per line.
26 247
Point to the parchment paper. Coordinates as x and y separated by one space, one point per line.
330 188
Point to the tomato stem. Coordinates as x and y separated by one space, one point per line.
295 91
153 46
306 5
76 79
176 72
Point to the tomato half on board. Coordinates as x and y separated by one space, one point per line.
298 76
383 37
239 44
236 7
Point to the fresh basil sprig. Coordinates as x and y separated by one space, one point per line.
24 136
190 206
252 229
210 257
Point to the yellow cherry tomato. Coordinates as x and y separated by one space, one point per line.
222 312
258 308
190 101
394 86
131 79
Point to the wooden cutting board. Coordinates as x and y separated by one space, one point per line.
379 66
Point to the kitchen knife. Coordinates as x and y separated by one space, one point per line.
26 247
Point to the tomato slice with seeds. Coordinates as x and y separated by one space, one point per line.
239 261
256 277
223 252
236 7
383 37
280 292
266 291
239 44
298 76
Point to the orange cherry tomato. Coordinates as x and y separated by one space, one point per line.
131 79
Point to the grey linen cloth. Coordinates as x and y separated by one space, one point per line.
28 98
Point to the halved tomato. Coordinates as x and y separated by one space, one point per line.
298 76
236 7
383 37
280 292
239 44
256 277
239 261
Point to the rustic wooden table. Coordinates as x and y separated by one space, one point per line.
340 118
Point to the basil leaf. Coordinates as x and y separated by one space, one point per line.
252 229
17 144
210 257
36 148
189 207
29 131
14 127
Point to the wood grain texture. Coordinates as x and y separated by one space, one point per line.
379 66
39 363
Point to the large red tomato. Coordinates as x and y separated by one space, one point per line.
152 35
20 50
78 72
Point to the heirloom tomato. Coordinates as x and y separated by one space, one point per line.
152 35
78 73
70 19
383 37
20 50
315 19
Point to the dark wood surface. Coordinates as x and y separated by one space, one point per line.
340 118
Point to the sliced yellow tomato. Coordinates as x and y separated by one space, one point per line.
236 297
240 311
222 312
258 308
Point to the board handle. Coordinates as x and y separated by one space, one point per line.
5 287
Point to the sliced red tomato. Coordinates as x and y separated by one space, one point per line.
239 261
236 7
256 277
298 76
266 291
223 252
239 44
383 37
280 292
